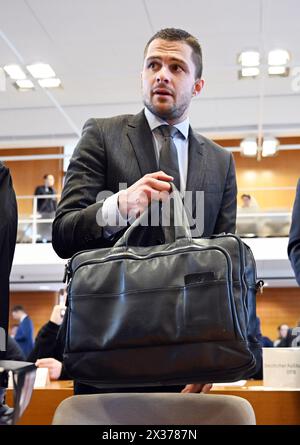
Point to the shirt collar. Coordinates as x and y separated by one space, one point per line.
155 122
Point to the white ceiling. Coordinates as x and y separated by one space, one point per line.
96 47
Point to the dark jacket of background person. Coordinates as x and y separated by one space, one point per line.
47 344
24 335
291 340
8 234
294 238
46 205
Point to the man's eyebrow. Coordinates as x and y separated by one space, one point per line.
173 59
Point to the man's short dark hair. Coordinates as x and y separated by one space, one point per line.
18 308
46 176
179 35
246 196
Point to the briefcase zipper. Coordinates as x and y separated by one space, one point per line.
124 255
67 272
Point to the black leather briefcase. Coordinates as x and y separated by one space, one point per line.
178 313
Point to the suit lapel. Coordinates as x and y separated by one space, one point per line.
197 162
140 137
196 168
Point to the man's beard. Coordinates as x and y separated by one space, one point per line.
173 113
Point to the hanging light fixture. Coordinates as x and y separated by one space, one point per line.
277 61
249 147
270 146
249 63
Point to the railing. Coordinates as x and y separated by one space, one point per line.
36 227
267 223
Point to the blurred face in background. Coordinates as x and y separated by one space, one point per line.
246 200
283 330
16 315
49 181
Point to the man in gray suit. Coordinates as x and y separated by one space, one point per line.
126 149
294 238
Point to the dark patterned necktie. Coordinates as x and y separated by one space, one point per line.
168 159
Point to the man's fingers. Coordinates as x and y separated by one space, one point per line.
206 388
159 185
44 362
197 388
160 175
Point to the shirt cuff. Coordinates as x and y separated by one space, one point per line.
112 217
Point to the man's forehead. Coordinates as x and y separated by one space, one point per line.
176 49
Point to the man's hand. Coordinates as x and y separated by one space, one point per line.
53 365
56 316
153 186
197 387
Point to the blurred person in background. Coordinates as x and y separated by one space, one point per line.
46 206
24 334
248 202
294 236
282 333
48 347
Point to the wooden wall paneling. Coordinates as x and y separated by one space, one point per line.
278 171
276 306
27 175
38 306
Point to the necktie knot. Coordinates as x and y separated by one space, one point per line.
168 131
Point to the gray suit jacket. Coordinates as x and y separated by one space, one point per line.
120 150
294 239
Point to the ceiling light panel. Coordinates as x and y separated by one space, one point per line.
24 84
278 57
249 58
278 71
50 83
15 72
41 70
249 72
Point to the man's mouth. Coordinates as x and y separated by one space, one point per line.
162 92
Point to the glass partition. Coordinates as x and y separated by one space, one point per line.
35 225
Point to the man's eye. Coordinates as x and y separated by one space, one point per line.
177 68
152 65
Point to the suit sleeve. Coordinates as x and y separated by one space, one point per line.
46 344
23 333
226 221
77 225
294 238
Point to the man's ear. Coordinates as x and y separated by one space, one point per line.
199 84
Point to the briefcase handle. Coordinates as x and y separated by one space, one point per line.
177 214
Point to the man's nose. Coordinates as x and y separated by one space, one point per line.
163 75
